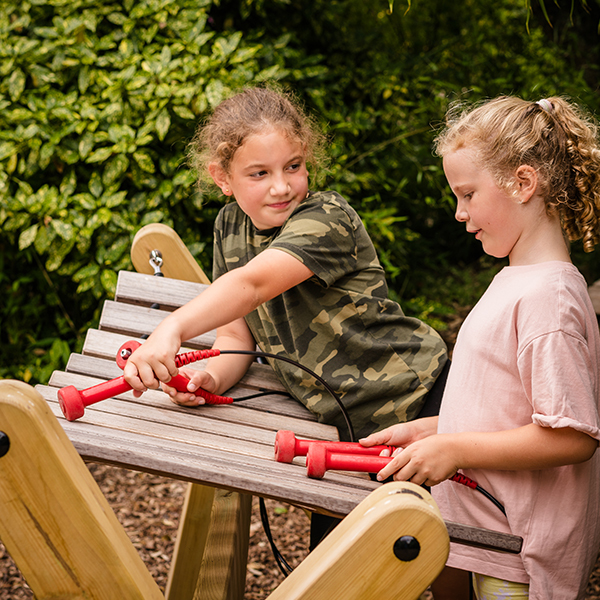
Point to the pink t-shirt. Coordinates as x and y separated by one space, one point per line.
529 352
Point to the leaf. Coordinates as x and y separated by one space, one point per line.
99 155
68 183
144 161
27 237
109 281
214 92
225 46
184 112
86 144
7 149
113 200
65 230
95 185
163 122
115 168
83 79
86 272
16 84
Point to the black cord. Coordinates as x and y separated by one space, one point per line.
307 370
283 565
260 394
490 497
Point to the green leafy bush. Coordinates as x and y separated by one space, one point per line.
97 103
99 100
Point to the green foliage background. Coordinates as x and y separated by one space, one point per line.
99 100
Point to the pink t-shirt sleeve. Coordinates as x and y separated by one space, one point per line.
555 369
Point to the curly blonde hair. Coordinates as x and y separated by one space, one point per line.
253 111
554 136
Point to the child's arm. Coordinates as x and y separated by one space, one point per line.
221 372
230 297
531 447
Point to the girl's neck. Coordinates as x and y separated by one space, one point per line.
544 242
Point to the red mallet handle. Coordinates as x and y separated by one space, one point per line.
287 447
179 382
320 459
73 401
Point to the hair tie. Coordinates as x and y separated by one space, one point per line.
545 104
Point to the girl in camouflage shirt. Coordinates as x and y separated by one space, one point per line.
295 273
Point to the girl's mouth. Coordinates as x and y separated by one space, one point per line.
280 205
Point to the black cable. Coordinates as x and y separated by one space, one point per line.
283 565
307 370
490 497
260 394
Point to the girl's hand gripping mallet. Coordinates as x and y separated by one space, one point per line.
73 401
287 447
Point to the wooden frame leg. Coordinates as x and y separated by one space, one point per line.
392 545
209 560
54 520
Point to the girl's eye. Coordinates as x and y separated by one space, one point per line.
294 166
258 174
468 196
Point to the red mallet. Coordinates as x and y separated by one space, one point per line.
73 401
287 447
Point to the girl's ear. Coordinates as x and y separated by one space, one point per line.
220 177
526 180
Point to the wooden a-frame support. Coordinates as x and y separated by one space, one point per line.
67 542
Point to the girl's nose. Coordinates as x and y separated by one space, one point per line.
279 186
461 214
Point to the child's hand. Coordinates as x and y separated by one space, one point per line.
198 379
152 363
428 461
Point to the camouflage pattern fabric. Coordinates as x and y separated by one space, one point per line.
340 322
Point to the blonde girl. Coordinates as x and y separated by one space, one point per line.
520 410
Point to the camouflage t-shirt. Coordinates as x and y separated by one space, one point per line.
339 323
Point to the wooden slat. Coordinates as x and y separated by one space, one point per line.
214 466
336 494
145 290
138 321
274 403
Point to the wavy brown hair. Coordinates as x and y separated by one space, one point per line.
253 111
554 136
